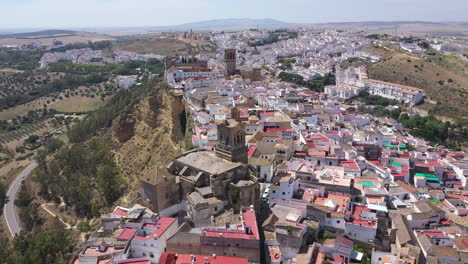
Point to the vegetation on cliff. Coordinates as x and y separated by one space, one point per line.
83 176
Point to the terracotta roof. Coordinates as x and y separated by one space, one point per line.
406 186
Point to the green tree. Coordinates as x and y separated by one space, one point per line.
29 216
3 192
110 183
23 198
52 246
54 145
32 139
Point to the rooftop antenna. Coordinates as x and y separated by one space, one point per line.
396 28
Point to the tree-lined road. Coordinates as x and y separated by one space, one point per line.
9 210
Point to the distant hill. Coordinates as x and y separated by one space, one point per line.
223 24
41 34
404 27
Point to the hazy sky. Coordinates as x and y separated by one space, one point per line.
110 13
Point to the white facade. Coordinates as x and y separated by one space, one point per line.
396 91
265 172
193 83
174 75
342 91
360 232
285 189
149 245
337 223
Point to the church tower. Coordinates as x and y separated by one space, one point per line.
231 141
230 58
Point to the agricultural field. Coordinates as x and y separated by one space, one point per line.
83 99
79 104
25 131
24 82
162 46
45 38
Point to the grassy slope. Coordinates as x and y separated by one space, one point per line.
425 71
163 46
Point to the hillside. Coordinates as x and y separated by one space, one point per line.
49 37
444 78
154 44
51 33
223 24
459 29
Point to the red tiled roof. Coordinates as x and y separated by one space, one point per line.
363 222
251 151
133 261
249 220
170 258
160 226
344 241
120 212
126 234
349 164
457 196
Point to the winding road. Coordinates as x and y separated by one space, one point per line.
9 210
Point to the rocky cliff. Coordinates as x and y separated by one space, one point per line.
148 136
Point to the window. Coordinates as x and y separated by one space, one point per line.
337 221
151 255
144 254
274 191
216 209
284 193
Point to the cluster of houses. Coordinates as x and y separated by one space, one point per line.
314 52
97 57
326 168
352 81
139 235
288 175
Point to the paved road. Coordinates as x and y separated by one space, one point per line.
10 210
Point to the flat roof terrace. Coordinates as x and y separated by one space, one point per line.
208 162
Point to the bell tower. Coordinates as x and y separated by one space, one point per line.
230 58
231 141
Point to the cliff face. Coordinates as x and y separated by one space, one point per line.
149 136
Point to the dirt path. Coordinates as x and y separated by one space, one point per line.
44 206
